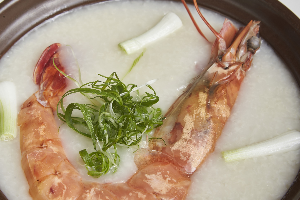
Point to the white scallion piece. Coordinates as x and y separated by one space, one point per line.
8 111
282 143
169 23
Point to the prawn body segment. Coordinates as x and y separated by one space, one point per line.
161 179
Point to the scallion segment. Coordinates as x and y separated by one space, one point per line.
169 23
120 116
286 142
8 111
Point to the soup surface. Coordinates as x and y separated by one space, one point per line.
268 103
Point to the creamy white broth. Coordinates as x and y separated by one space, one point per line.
267 105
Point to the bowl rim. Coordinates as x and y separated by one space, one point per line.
280 27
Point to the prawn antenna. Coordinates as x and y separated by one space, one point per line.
204 20
193 20
207 24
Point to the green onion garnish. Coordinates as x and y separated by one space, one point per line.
282 143
119 117
8 111
168 24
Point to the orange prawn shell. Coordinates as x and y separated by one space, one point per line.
199 115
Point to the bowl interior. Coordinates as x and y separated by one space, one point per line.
279 27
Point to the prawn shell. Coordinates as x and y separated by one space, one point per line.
196 119
50 175
123 191
95 191
161 179
43 131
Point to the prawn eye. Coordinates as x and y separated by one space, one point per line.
220 56
253 44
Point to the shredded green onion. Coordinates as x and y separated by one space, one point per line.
286 142
120 117
134 63
8 111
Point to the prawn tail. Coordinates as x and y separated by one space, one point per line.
47 74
